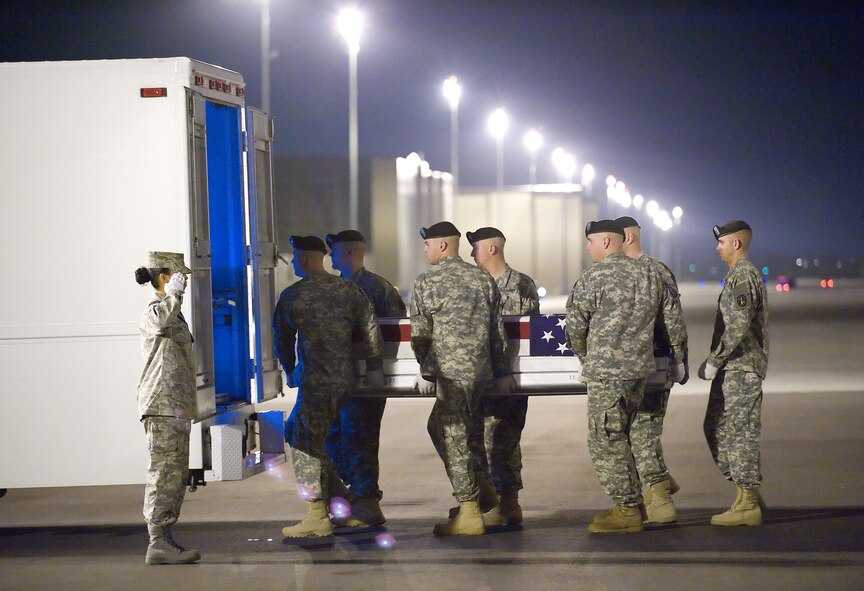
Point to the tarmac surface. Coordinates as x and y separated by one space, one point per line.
812 536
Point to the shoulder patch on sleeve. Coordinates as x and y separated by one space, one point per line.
741 296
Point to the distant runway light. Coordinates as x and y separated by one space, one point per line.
498 123
533 140
350 24
651 208
588 174
452 92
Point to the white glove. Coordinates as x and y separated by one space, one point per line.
176 285
707 371
375 378
679 373
505 385
424 386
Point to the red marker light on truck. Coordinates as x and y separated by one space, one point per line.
154 92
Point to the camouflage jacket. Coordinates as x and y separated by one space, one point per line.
740 340
670 331
456 326
384 297
319 313
167 384
610 318
518 293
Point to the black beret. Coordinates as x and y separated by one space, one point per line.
483 234
439 230
308 243
603 226
344 236
730 228
627 222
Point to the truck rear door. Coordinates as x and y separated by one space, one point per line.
262 248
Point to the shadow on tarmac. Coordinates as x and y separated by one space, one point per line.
560 537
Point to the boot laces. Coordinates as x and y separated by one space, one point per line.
168 536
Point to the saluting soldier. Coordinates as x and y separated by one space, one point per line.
459 341
354 437
503 416
319 314
610 327
167 403
647 428
736 367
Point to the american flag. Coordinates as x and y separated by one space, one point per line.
547 338
535 336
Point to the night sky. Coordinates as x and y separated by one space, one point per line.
752 113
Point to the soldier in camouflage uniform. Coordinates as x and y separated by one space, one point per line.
459 341
318 314
736 367
647 428
167 403
503 417
353 439
610 327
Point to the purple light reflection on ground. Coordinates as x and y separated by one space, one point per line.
385 540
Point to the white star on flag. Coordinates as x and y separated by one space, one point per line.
562 323
547 336
562 347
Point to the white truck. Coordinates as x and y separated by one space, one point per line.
101 162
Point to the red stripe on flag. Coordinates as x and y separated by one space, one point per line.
517 327
395 333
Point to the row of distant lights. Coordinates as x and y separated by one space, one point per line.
499 122
566 164
406 168
618 192
350 25
805 263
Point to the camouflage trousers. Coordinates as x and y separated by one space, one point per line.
733 422
352 444
503 422
168 443
612 405
645 435
306 434
453 428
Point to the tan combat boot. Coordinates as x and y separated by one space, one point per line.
617 520
487 499
365 512
510 509
316 524
468 522
164 549
744 511
660 509
648 494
